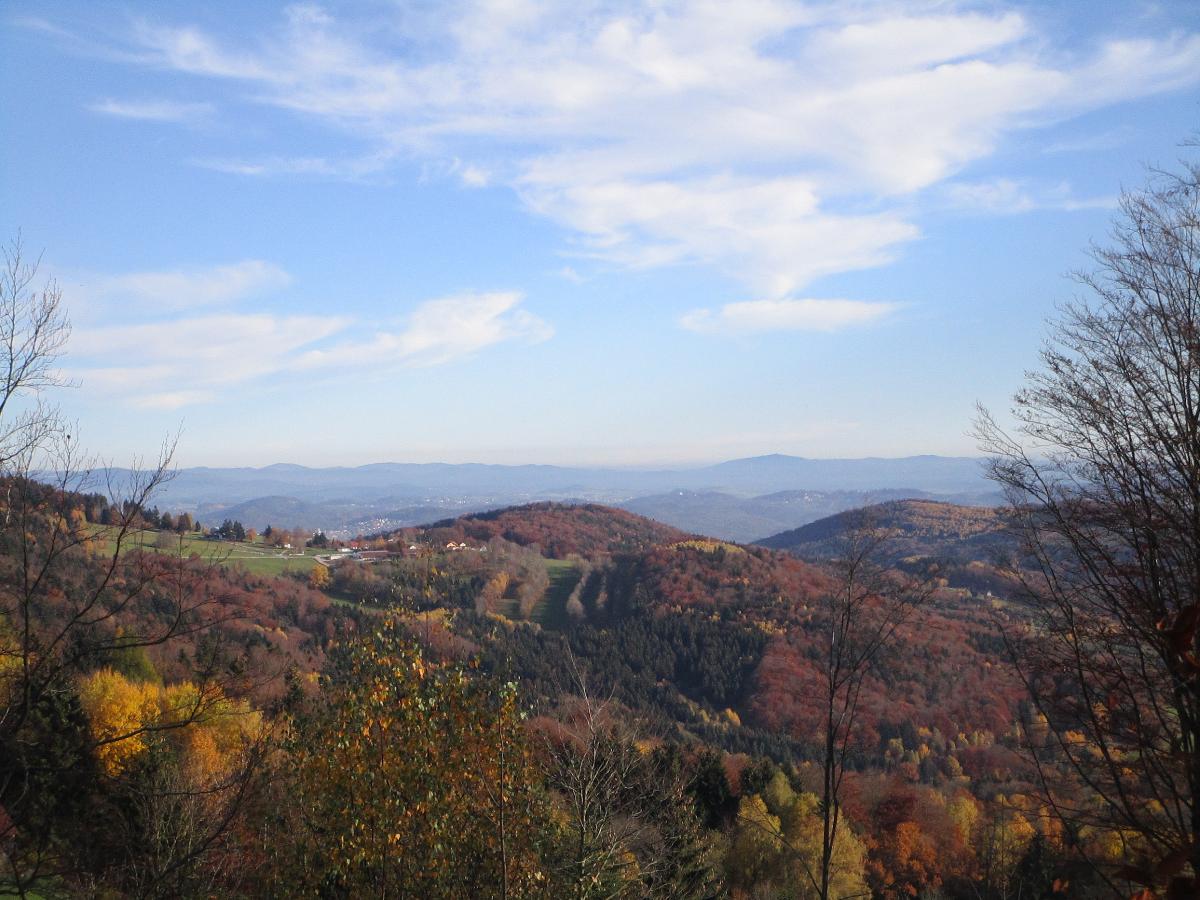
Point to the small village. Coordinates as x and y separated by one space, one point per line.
369 551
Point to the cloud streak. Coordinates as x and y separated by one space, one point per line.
757 316
440 331
187 288
154 110
1007 196
169 364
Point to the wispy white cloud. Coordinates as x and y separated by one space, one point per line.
364 167
154 110
440 331
778 141
185 288
756 229
1007 196
171 400
471 175
452 327
1087 143
755 316
474 176
166 363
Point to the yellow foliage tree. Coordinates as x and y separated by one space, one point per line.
963 812
319 578
802 831
123 714
755 850
778 840
118 711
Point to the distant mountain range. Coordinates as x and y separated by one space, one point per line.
742 499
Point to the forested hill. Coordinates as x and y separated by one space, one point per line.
558 529
971 544
680 628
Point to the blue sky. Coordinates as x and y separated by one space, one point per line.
615 233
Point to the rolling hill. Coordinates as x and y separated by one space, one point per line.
970 544
679 628
559 529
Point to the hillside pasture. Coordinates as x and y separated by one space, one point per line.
256 557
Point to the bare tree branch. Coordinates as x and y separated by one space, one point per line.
1102 472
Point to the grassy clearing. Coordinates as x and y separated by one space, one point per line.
257 557
274 565
551 610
